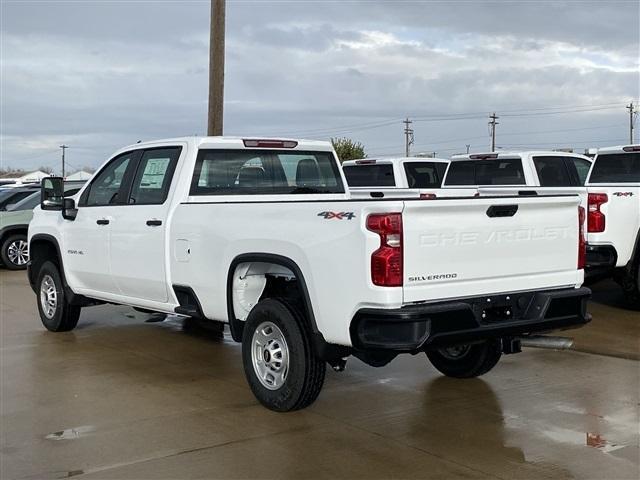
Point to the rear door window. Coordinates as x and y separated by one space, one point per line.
425 174
506 171
616 168
552 172
374 175
153 176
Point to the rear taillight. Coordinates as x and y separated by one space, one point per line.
596 219
582 242
427 196
386 261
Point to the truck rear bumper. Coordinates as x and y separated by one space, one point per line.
422 326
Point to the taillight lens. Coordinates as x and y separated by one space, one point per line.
386 261
582 242
596 220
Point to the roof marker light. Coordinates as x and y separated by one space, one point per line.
270 143
483 156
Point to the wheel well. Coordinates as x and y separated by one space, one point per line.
40 251
12 231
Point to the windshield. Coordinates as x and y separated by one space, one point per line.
378 175
252 172
616 168
28 203
425 174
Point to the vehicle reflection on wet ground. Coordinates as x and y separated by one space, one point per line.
133 395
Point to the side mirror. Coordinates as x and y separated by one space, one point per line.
52 193
69 210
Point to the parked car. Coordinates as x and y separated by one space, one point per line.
613 233
12 195
14 223
263 235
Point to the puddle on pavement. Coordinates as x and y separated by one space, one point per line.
70 433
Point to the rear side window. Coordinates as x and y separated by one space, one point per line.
582 168
375 175
153 177
507 171
425 174
616 168
14 197
552 172
246 172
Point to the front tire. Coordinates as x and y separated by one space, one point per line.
279 362
56 313
466 361
15 252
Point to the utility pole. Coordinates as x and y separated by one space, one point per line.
492 124
630 107
63 147
216 68
408 136
468 147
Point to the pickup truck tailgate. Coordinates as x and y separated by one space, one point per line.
459 248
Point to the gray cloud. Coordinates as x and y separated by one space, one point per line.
98 75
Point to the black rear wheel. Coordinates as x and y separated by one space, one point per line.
56 314
466 361
630 284
279 362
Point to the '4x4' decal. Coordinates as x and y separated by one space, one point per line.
337 215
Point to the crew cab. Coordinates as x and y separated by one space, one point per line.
613 232
262 234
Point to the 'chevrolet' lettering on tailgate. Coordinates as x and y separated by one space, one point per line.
496 236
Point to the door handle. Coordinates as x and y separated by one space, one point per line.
102 221
154 223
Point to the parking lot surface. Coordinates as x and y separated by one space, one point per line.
131 395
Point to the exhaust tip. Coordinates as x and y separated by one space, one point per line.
546 341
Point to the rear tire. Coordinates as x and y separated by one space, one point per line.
466 361
15 252
279 362
630 284
56 313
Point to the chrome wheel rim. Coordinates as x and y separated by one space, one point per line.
18 252
456 352
48 296
270 355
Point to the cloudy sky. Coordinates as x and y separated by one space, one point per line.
98 75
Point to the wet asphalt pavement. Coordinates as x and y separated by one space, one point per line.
127 396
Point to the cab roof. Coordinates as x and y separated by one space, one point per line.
513 153
634 147
388 160
247 142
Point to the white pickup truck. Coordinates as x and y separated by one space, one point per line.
402 177
613 233
261 234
